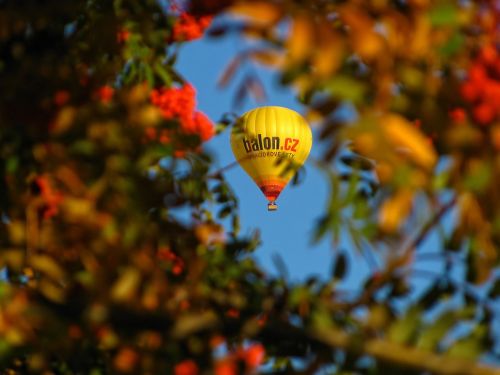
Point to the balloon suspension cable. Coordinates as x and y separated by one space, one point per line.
272 206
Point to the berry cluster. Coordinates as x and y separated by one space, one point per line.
175 261
180 104
189 27
252 357
51 198
482 87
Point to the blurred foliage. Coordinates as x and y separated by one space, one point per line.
122 247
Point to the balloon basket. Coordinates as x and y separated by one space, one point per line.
272 206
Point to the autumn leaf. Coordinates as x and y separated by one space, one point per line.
48 266
210 233
395 210
259 12
125 288
328 55
300 39
404 136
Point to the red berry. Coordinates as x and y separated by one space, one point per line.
488 55
226 367
254 356
187 367
469 91
477 73
484 113
458 115
189 27
105 94
61 97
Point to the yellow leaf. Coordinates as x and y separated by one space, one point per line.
259 12
14 336
395 210
64 119
45 264
138 94
407 138
192 323
17 232
210 233
13 257
471 215
52 291
125 287
300 41
147 116
77 208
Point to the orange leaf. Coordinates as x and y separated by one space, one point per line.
260 12
328 55
210 233
300 41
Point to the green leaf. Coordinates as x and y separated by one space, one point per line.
494 291
235 224
435 332
225 211
339 267
403 330
453 45
346 88
470 347
478 177
163 74
298 294
320 229
443 14
358 162
149 75
321 318
12 164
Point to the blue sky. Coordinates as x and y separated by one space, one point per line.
286 232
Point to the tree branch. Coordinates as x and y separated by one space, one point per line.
401 355
424 231
404 255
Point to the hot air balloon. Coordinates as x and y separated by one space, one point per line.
271 144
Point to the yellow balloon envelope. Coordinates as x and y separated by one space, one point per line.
271 144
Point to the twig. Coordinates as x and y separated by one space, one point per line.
218 172
403 257
424 231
